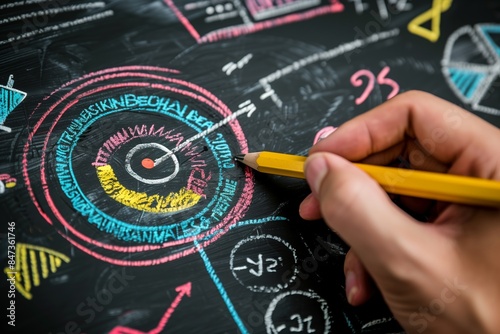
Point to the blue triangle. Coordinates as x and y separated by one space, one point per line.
9 99
467 81
488 31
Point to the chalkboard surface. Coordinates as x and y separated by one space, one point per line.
122 210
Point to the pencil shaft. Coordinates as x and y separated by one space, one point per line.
437 186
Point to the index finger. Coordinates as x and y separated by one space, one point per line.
445 131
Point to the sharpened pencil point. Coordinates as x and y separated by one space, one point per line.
239 157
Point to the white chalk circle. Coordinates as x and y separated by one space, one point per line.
264 263
471 66
298 312
139 147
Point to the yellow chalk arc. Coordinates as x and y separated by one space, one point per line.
156 203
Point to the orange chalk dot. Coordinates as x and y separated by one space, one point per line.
147 163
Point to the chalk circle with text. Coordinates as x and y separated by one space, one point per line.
271 269
137 165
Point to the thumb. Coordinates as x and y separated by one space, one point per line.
359 210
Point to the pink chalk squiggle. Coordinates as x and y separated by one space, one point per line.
381 80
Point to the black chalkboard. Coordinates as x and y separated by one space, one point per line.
97 239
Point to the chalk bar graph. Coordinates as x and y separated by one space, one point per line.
10 98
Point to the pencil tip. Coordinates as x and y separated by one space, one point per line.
239 157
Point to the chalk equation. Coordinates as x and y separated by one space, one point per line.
264 271
287 313
381 79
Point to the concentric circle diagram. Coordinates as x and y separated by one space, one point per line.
471 65
135 165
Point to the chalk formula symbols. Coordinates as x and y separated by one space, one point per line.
298 312
381 79
264 263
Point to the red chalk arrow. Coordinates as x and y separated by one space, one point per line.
182 290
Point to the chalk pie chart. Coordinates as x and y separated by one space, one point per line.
135 165
471 66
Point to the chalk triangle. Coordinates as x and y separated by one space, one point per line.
27 269
10 98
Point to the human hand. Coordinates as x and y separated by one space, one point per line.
437 277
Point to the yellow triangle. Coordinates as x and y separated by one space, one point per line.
27 266
19 287
434 15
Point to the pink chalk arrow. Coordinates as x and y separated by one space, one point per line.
182 290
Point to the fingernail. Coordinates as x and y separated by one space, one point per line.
323 133
315 170
351 286
305 202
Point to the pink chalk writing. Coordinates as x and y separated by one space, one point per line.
357 82
381 79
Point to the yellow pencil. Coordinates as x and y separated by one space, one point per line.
437 186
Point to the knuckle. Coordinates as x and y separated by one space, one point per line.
339 196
